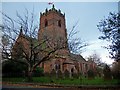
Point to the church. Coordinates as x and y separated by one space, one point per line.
53 27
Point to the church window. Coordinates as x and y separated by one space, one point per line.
46 23
86 66
57 66
59 23
72 70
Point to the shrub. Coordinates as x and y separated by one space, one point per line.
107 72
13 69
38 72
115 70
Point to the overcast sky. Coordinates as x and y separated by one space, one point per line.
87 14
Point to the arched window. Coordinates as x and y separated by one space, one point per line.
59 23
46 23
72 70
57 66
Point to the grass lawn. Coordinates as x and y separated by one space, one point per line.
82 81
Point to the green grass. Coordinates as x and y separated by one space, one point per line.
85 81
82 81
13 79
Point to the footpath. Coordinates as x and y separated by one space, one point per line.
34 86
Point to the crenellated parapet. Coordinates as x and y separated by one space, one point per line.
53 9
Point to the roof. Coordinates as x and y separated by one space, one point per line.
76 57
68 63
28 38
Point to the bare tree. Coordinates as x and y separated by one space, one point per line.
75 43
95 58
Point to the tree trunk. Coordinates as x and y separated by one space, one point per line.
29 76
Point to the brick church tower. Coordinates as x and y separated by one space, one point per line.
53 28
52 25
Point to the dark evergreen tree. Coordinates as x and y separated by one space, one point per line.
13 69
110 28
107 72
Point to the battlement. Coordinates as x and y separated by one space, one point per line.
51 11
